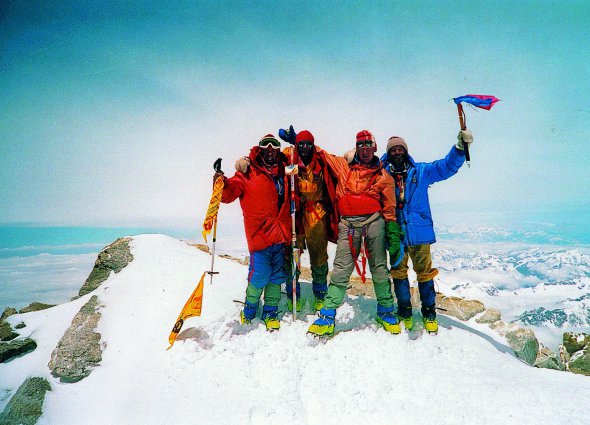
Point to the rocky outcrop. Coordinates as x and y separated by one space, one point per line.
575 341
8 311
460 308
113 258
577 352
523 341
35 306
6 332
79 350
547 359
18 347
489 316
26 406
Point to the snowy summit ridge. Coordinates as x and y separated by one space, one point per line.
222 372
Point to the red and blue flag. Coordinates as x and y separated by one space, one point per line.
478 100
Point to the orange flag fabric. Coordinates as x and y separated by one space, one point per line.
191 308
213 209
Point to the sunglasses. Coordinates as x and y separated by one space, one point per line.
365 143
305 144
275 144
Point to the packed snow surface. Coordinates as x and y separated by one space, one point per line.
222 372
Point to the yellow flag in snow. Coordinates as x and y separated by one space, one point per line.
191 308
213 209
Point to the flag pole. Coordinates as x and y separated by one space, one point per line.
217 168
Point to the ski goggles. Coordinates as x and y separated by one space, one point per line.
272 143
305 144
364 143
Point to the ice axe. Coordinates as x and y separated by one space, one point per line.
211 218
479 101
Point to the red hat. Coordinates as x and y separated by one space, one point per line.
304 136
366 135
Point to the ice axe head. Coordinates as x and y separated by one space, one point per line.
217 166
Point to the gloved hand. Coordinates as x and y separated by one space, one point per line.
216 175
288 135
464 136
243 164
394 236
349 155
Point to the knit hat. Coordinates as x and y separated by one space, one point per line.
396 141
269 139
304 136
366 135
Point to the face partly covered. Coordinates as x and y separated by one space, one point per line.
365 150
270 154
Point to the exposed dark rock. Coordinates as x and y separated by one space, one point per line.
6 332
20 325
18 347
580 362
78 351
26 406
113 257
575 341
35 306
8 311
542 316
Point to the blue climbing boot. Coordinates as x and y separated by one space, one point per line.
270 317
387 319
324 324
248 313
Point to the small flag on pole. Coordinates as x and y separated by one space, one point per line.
192 308
482 101
213 207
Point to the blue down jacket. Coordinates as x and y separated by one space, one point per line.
415 218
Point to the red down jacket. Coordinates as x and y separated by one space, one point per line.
265 224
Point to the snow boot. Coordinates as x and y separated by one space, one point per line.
324 324
429 319
387 319
408 322
248 313
270 317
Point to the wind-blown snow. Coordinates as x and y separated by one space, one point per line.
221 372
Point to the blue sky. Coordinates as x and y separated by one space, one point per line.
114 114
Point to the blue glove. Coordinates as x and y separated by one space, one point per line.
288 135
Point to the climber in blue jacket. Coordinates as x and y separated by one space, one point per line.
411 180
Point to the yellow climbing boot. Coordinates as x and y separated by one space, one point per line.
431 325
